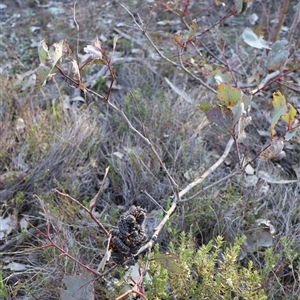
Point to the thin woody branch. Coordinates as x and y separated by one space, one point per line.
189 187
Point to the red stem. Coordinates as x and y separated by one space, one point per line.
64 253
229 14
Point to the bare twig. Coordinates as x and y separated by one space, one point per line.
229 14
295 23
295 89
94 200
129 37
282 13
137 288
153 239
210 186
106 256
153 200
121 112
47 236
180 66
19 239
77 40
117 60
265 81
179 92
89 211
210 170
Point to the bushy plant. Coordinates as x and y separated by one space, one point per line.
211 272
197 99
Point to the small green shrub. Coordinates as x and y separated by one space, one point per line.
211 272
3 292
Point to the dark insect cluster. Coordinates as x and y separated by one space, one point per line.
130 236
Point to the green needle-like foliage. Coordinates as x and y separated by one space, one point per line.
211 272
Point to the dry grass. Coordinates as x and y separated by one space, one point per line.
46 145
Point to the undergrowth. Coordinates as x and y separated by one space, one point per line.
210 272
69 158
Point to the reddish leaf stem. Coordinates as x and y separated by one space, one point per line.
63 252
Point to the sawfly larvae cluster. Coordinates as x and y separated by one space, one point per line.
130 235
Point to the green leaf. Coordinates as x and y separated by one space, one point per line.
99 61
204 106
289 117
228 95
47 69
222 77
81 86
278 55
43 51
279 109
193 29
241 6
237 111
246 100
253 40
169 262
219 3
44 73
290 134
217 75
177 38
221 116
